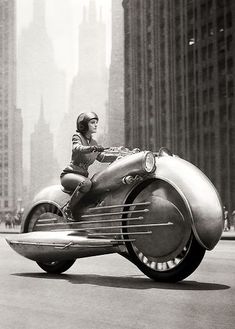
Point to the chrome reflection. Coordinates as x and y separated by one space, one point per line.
157 266
164 151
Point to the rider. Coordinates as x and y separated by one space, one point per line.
85 151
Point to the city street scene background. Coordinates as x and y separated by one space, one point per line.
159 73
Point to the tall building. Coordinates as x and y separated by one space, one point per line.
18 158
179 83
89 89
148 70
90 85
38 74
115 108
44 170
10 119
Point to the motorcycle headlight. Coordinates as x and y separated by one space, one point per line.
149 164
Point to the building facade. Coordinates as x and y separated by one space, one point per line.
115 108
10 117
18 159
179 83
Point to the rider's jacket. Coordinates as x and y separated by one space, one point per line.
82 157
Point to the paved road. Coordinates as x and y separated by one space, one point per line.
108 292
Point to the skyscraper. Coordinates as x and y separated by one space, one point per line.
38 74
90 85
44 171
89 89
10 118
179 83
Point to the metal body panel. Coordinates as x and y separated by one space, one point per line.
57 246
111 177
198 193
52 193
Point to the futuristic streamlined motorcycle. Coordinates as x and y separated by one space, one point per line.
156 209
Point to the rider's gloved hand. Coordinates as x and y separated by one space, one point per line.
97 148
100 148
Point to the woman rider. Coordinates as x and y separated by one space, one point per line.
85 151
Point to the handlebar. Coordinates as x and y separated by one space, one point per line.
120 150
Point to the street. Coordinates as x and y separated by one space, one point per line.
108 292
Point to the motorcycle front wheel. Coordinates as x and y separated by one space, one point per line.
163 247
43 217
173 270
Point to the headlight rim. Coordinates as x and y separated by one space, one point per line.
145 165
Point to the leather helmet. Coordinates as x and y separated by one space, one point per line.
83 119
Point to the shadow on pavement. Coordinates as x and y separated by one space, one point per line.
125 282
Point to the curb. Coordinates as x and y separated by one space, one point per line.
9 232
227 237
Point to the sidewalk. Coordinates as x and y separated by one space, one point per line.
229 235
8 230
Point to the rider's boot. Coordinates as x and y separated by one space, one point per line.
71 204
67 212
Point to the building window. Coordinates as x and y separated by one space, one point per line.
204 97
203 31
229 42
229 21
212 117
230 88
220 24
221 67
230 62
203 10
211 70
210 29
220 4
204 74
210 50
204 53
222 89
191 41
222 112
211 95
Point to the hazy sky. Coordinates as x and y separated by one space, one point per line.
62 19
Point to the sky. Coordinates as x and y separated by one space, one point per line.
62 19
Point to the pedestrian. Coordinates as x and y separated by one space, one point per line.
233 219
226 219
85 151
9 220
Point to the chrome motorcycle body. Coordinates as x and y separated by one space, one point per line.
157 210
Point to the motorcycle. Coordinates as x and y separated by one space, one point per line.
155 209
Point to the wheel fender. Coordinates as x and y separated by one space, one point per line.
52 194
199 195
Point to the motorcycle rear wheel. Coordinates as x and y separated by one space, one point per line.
41 211
56 267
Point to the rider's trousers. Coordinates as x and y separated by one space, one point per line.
78 184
